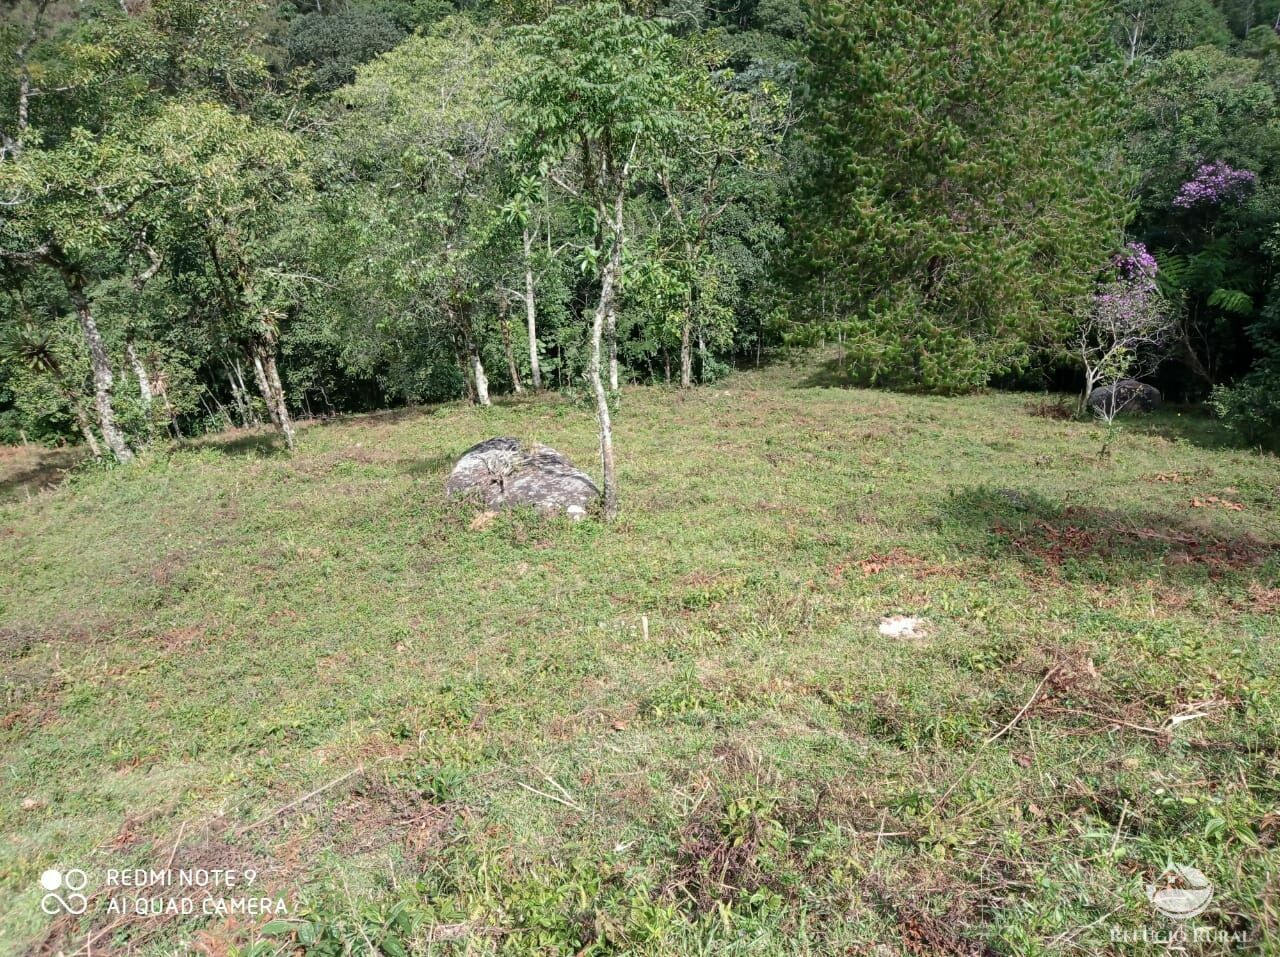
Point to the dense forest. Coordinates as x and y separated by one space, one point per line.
221 213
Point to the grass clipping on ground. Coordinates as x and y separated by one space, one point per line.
684 733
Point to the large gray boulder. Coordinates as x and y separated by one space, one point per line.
1127 395
502 472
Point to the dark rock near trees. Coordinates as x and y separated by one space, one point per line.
502 472
1127 395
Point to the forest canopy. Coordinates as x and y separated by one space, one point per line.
238 212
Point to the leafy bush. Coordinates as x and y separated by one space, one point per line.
944 226
1251 407
333 46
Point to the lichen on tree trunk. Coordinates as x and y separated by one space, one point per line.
604 308
268 376
531 311
100 362
503 308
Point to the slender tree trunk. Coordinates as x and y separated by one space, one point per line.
1192 361
611 321
172 416
238 398
611 326
145 392
602 397
268 375
86 427
686 352
481 380
516 385
24 108
12 146
264 388
273 376
702 356
1090 383
531 311
251 415
103 380
608 281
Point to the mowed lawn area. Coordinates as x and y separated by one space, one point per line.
679 734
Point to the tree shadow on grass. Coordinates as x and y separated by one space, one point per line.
1193 424
840 372
255 443
834 373
26 472
1099 543
392 416
433 465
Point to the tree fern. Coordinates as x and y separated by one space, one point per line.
1231 300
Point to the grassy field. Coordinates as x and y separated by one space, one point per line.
682 734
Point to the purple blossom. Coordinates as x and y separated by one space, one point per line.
1214 183
1131 295
1135 264
1122 305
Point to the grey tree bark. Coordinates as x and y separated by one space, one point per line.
100 362
479 378
86 429
12 145
268 375
503 307
239 394
531 310
145 392
602 397
611 322
273 376
611 326
264 388
686 352
604 307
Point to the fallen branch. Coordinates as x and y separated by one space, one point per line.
552 797
1025 708
1035 695
359 769
1107 719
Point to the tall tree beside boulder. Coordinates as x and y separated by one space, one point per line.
961 181
594 92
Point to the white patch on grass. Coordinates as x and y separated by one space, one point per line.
902 626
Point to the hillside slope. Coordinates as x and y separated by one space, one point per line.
679 734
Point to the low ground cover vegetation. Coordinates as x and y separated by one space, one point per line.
680 733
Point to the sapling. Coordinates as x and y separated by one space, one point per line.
1126 331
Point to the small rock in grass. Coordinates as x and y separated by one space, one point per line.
902 626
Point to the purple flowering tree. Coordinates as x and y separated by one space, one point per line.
1127 330
1213 185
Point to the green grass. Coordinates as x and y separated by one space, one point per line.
192 644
